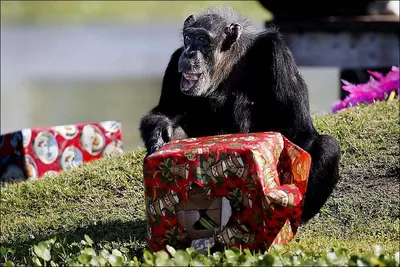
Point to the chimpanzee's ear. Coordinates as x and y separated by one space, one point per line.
232 33
188 21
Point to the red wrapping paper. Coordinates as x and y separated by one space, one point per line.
263 175
31 153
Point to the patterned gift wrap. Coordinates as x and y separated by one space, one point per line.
229 190
31 153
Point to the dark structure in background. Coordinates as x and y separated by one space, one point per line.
352 35
312 10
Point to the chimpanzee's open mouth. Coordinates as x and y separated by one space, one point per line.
189 80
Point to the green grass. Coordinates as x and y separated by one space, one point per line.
105 199
365 207
113 11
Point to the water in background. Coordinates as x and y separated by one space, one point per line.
55 75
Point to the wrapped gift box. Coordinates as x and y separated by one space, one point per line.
242 190
31 153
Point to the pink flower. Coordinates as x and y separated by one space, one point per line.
377 88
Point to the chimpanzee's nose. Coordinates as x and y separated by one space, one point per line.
190 54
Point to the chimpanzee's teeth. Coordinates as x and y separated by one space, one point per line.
190 77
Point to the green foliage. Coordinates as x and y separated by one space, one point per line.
54 253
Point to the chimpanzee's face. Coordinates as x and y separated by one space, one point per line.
207 41
196 61
202 38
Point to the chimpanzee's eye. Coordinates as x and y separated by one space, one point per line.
187 39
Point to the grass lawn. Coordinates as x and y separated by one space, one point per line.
113 11
105 199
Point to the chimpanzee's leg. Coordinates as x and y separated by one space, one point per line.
324 174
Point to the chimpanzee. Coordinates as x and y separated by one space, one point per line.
229 78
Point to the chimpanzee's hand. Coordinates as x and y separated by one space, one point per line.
161 135
157 129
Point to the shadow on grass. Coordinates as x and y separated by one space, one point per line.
130 234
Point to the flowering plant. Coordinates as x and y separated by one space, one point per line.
379 87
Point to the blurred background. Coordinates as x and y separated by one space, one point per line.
67 62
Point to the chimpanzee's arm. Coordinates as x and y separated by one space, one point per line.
160 125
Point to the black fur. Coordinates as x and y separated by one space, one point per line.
252 86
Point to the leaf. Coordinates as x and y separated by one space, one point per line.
105 254
84 258
88 240
115 260
230 255
197 263
162 258
235 250
360 262
391 96
36 261
267 260
247 252
277 247
42 251
218 256
378 250
3 251
94 262
8 264
135 259
376 262
148 257
116 252
182 258
331 257
51 241
90 251
124 250
171 250
102 260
